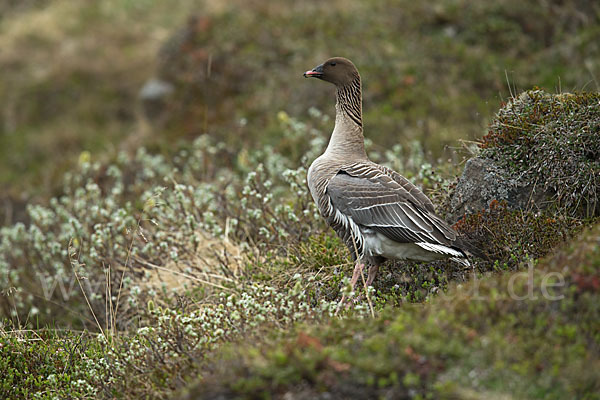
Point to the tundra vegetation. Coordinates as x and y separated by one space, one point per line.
182 257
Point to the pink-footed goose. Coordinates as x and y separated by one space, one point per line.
377 212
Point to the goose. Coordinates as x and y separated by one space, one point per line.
378 213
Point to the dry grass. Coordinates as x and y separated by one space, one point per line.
214 263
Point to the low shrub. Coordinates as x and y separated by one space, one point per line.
49 364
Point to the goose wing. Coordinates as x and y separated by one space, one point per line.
372 197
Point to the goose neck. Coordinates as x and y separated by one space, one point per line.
347 139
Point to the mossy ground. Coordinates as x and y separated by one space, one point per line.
508 336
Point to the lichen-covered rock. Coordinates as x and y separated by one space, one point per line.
483 181
542 150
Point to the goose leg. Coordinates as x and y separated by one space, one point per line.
370 278
372 273
358 268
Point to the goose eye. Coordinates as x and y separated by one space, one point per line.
332 64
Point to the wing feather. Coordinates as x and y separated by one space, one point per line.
378 198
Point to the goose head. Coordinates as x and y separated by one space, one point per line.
338 70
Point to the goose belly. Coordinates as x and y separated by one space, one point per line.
377 244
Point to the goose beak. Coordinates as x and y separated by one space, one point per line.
316 72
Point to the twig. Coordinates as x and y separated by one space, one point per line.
126 263
190 277
82 290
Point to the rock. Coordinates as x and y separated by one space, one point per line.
483 181
541 151
154 96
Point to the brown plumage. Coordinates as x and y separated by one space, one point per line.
377 212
